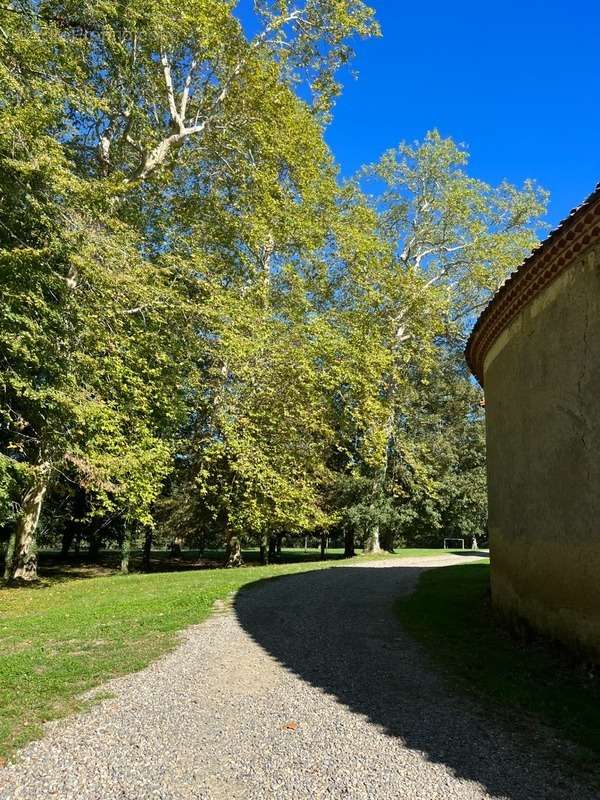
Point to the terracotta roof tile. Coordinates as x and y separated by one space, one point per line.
540 268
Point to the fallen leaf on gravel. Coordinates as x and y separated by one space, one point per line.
291 726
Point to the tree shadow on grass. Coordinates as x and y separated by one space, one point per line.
53 567
336 629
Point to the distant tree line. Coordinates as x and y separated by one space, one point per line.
205 336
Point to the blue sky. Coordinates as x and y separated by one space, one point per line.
519 83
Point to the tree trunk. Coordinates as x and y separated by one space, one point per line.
94 548
279 541
24 561
264 550
10 553
147 550
272 547
233 553
126 550
67 539
75 526
372 544
349 551
176 547
323 546
387 542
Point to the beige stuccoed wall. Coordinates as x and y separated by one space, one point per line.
542 387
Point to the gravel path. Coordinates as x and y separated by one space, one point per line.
302 688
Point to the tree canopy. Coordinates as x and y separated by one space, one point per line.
205 334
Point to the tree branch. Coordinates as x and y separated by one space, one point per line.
104 144
158 154
170 92
186 89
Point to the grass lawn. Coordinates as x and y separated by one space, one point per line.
64 636
450 615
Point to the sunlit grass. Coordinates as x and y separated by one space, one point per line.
64 636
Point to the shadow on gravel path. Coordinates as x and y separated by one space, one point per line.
336 630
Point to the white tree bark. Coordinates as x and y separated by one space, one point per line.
233 557
178 111
25 558
372 544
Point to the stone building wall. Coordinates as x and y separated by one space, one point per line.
536 351
542 384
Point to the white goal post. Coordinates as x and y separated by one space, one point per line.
458 544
